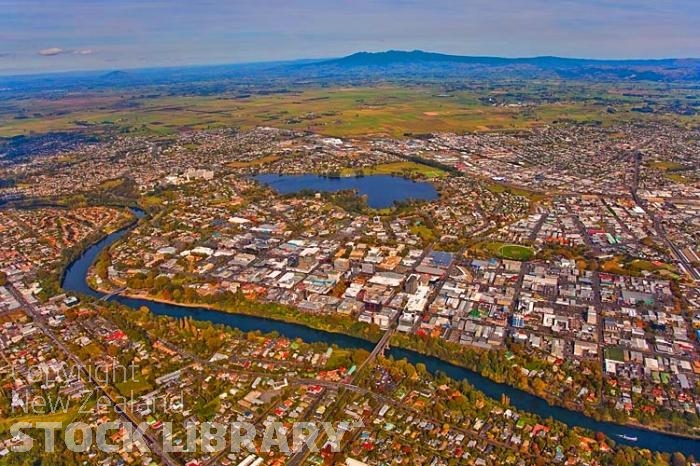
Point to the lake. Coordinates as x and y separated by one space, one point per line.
381 190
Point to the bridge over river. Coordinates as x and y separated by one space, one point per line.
75 281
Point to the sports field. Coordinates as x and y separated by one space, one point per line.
504 250
515 252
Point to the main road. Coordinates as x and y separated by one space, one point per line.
676 253
124 413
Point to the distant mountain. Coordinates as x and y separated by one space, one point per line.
116 75
417 63
393 57
359 68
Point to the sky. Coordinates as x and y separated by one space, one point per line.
39 36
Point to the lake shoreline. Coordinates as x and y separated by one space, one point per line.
382 191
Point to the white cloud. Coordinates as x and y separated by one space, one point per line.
82 52
51 51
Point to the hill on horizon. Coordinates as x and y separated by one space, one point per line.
418 63
368 67
419 56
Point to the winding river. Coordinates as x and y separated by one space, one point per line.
75 280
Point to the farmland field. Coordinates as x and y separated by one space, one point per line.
342 112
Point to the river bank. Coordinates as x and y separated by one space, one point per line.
75 280
407 342
411 343
371 336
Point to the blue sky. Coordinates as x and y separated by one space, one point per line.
58 35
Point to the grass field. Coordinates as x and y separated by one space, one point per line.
63 416
515 252
615 353
134 386
385 110
527 194
637 266
254 163
400 168
674 171
680 178
425 233
505 251
666 165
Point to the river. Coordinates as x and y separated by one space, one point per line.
75 280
